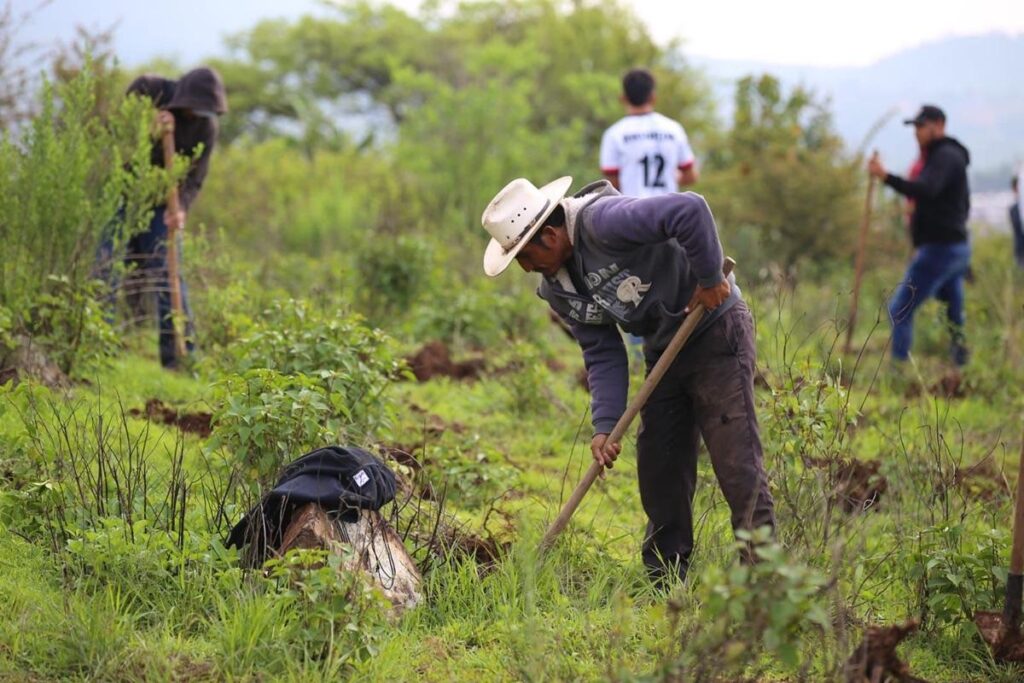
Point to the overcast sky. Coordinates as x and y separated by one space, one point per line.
812 32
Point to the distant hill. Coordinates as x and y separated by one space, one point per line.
977 80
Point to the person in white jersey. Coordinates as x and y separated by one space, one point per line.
645 154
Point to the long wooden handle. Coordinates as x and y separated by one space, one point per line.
174 207
657 372
858 268
1017 553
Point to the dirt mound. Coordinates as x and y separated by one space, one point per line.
554 365
403 455
451 538
1006 642
159 412
435 360
950 385
982 481
856 484
875 659
485 551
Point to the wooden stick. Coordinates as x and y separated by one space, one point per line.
657 372
858 269
174 207
1017 552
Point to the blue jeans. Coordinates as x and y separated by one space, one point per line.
148 252
936 270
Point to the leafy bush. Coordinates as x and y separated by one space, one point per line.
771 605
61 184
336 614
302 380
294 337
525 378
478 318
70 321
955 571
353 364
267 419
392 274
64 181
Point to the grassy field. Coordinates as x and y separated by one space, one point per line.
113 567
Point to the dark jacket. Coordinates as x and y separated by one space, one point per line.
1018 233
635 264
942 197
198 90
339 479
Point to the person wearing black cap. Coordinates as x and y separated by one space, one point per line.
938 228
189 107
1016 225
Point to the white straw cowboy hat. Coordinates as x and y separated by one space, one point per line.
514 215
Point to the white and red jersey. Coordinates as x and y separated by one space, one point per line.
645 150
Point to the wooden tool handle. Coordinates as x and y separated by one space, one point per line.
168 145
1017 553
657 372
858 268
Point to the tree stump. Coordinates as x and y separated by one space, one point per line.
28 360
377 549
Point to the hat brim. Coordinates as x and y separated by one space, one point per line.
496 258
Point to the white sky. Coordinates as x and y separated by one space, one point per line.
822 32
808 32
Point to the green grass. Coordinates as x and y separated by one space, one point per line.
508 449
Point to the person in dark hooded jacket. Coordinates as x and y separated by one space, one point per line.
1016 224
190 107
938 229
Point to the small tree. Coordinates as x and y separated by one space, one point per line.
780 183
63 181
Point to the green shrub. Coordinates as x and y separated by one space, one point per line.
772 605
954 571
70 321
62 182
266 419
336 614
478 317
525 378
392 274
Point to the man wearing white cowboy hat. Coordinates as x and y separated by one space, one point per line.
641 264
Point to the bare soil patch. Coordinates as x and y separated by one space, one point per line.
159 412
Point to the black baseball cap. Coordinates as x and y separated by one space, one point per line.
928 112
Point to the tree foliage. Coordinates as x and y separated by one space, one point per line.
781 180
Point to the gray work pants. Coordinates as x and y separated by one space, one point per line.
708 393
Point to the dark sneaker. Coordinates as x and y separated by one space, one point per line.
960 354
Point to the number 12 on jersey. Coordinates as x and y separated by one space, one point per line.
653 163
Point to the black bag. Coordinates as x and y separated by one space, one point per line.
340 479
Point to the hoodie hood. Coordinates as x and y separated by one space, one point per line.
200 89
954 143
587 194
158 89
